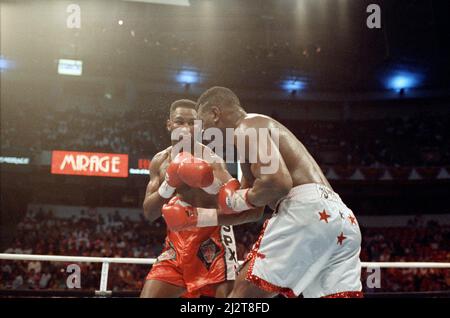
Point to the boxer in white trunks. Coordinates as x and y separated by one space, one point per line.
312 242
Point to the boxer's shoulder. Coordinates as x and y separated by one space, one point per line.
161 156
254 121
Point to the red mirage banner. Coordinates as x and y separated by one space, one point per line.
90 164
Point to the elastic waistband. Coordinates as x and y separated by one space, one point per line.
312 191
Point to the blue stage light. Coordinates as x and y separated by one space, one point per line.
187 77
293 85
403 80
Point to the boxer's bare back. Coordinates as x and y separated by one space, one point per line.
301 165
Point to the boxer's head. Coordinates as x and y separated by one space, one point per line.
182 115
219 107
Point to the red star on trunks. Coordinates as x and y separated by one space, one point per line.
341 238
260 255
352 219
324 216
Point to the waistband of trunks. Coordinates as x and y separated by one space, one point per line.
312 191
309 191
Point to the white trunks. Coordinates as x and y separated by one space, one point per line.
310 246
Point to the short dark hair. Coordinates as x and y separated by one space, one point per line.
218 96
183 103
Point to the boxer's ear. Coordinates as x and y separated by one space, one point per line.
169 125
216 113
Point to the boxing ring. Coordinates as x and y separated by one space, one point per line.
106 261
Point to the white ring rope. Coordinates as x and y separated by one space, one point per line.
110 260
89 259
81 259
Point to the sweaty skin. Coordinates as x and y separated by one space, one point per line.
296 165
184 118
195 197
300 165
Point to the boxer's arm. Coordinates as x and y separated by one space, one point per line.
153 201
220 171
212 217
221 174
243 217
270 184
240 218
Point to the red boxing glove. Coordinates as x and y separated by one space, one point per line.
196 173
232 199
179 215
172 176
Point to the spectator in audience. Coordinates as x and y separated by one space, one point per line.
419 140
121 237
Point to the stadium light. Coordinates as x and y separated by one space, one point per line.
403 80
293 85
187 77
6 64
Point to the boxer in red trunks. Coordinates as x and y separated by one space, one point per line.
200 260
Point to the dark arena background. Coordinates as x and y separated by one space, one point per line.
366 89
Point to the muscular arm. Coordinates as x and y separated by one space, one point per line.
221 173
153 202
243 217
272 178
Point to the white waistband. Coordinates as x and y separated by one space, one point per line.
312 191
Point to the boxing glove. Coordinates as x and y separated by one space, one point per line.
198 173
180 215
171 178
232 199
